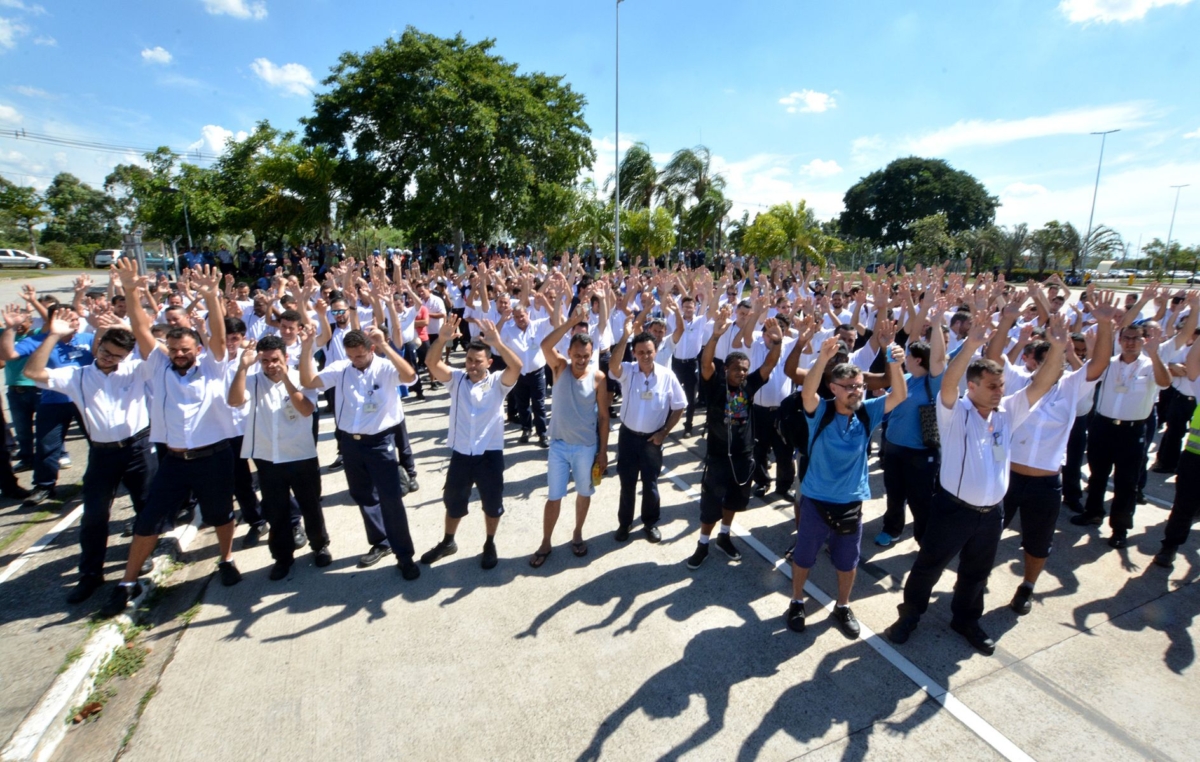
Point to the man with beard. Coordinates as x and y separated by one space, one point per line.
189 421
111 398
729 463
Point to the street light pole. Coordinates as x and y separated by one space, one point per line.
617 142
1171 229
1087 239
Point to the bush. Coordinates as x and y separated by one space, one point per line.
71 257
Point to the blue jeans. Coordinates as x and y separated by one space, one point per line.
22 404
52 422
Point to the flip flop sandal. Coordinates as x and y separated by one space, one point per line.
539 559
580 548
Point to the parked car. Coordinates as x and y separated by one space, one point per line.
105 257
18 258
154 261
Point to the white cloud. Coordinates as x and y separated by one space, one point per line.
9 32
808 102
1193 134
292 78
46 40
156 55
35 10
241 9
32 92
213 138
9 115
977 132
866 150
821 168
1106 11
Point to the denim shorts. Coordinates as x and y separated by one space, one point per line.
567 461
813 532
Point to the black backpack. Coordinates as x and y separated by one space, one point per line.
792 423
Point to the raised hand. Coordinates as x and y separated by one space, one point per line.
829 348
248 358
126 271
772 333
885 330
14 316
723 322
1056 332
1104 305
60 324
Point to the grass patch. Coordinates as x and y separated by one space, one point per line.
17 533
190 614
124 663
72 656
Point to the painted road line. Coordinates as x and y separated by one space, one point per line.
15 565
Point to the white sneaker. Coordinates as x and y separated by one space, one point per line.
64 461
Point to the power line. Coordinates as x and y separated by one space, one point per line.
89 145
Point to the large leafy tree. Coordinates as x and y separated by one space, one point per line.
885 205
21 211
788 230
640 178
79 213
438 134
647 233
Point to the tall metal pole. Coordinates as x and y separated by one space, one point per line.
617 150
1171 229
187 223
1087 239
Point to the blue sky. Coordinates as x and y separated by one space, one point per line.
795 98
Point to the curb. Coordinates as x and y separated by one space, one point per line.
43 729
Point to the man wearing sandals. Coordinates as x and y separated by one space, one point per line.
578 430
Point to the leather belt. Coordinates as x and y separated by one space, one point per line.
1117 422
965 504
366 438
199 452
22 389
123 443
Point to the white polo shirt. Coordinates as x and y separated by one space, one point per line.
1128 390
368 401
648 400
435 305
691 343
275 430
187 412
527 344
1041 441
778 386
113 405
977 452
476 413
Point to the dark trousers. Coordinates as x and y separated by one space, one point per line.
23 404
8 479
530 394
1119 451
1179 417
954 530
243 484
373 477
688 373
909 475
1151 431
1072 473
51 429
409 353
209 479
134 466
767 440
279 481
638 457
1187 501
404 450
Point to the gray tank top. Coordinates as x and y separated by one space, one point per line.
573 410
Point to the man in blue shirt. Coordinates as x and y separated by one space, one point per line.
835 484
55 410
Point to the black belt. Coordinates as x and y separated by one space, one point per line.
538 370
369 439
22 389
199 452
1116 422
687 359
123 443
965 504
768 408
638 433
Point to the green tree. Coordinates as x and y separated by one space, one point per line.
79 214
438 134
22 209
788 230
640 184
647 233
885 205
931 240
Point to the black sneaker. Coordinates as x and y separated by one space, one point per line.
372 556
846 621
795 616
760 491
119 599
38 496
1088 519
409 570
1119 539
278 571
88 584
1020 600
413 486
725 543
230 575
900 631
322 557
975 635
524 438
1141 498
254 535
1165 558
781 496
489 559
698 557
441 550
299 537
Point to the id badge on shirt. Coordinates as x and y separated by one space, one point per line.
1121 388
998 453
290 412
370 408
647 395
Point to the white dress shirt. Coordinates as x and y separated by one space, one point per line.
1127 390
691 343
275 430
977 451
1179 356
187 412
527 343
1041 441
368 401
435 305
113 405
476 413
648 400
778 385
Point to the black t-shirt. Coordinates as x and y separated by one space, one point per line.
729 414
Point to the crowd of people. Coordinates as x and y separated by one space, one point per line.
207 392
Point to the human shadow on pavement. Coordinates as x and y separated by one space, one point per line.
845 688
1151 600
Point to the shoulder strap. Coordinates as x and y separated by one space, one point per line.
826 418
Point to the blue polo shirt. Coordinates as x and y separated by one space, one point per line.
837 464
77 352
904 422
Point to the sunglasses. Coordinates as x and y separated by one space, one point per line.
851 387
338 312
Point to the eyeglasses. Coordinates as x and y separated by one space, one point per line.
338 312
851 387
102 352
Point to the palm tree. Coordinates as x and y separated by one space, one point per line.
1011 243
639 178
